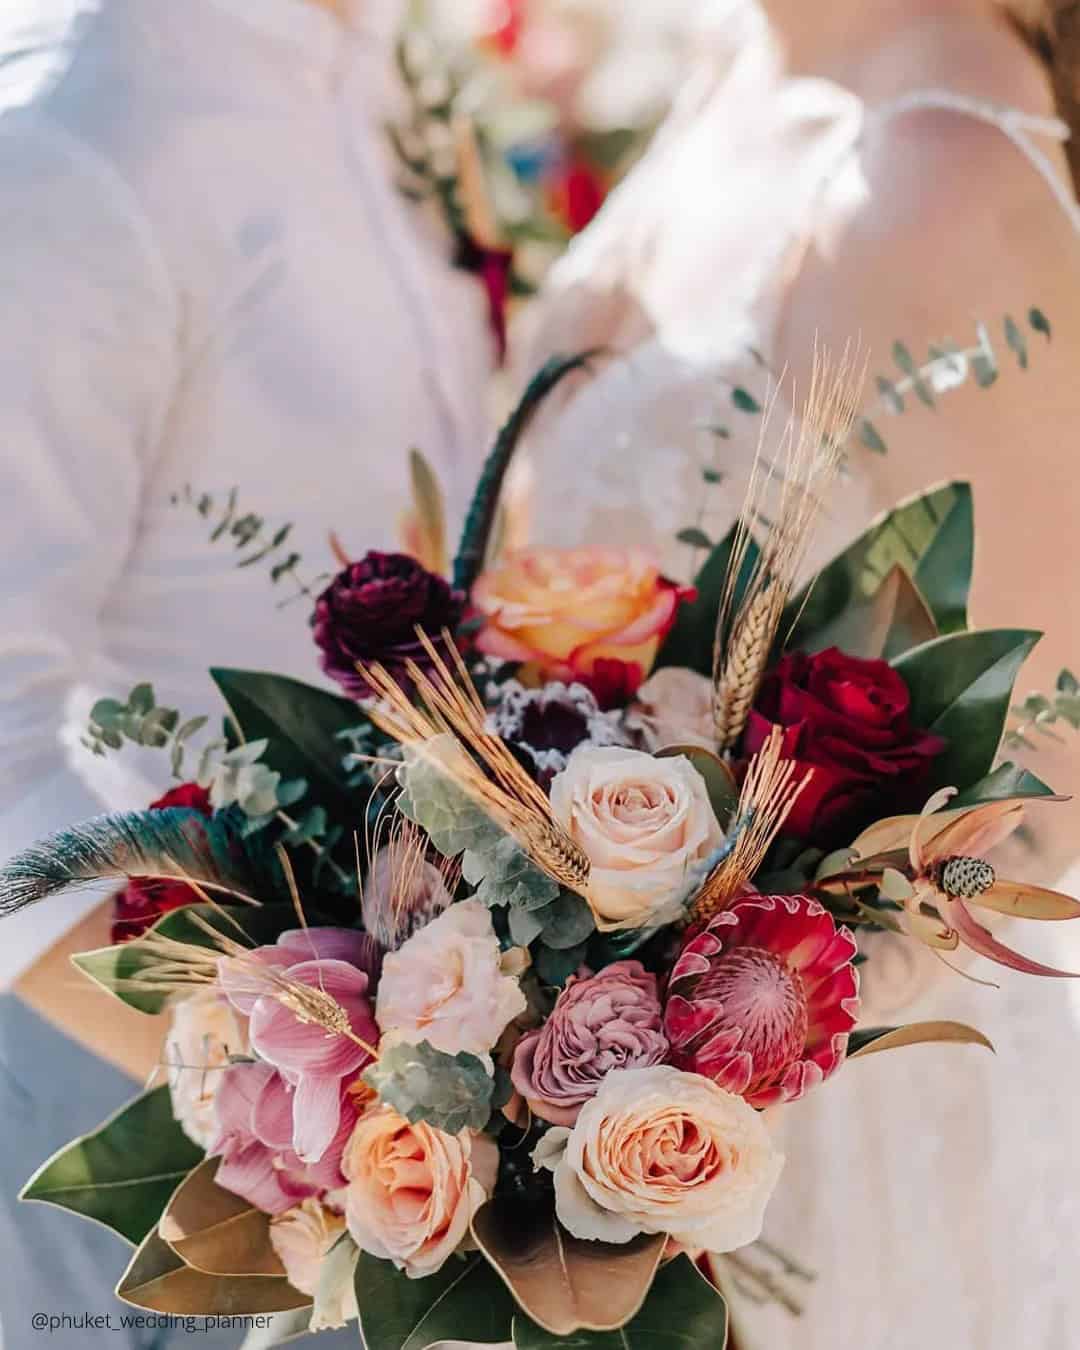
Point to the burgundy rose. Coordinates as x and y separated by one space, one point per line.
600 1023
370 612
851 720
143 901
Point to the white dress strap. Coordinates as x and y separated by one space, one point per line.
1018 126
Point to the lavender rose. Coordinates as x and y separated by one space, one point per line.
600 1023
370 612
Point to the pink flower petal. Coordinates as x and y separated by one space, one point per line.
981 940
316 1116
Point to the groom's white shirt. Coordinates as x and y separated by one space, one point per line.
208 276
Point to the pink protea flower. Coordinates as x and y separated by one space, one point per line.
762 999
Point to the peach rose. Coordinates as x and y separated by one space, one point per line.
412 1190
596 615
643 823
205 1033
448 984
301 1237
662 1151
674 707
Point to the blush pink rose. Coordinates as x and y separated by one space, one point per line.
301 1237
412 1190
600 1023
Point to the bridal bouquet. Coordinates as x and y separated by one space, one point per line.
486 977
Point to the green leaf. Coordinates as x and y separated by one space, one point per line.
719 779
961 688
451 1092
745 401
116 967
1067 683
690 642
1006 782
556 966
141 699
932 537
1016 341
567 922
871 437
712 476
503 874
891 621
694 537
301 725
465 1301
890 395
1039 322
123 1174
683 1312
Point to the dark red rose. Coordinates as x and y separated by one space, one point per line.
851 720
370 612
143 901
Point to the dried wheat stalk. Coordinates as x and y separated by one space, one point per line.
809 453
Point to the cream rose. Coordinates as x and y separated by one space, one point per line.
205 1033
447 984
674 707
412 1190
642 822
662 1151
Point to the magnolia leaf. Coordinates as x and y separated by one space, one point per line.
891 621
215 1231
563 1283
931 536
450 1092
719 780
123 1173
961 687
301 725
682 1312
120 968
1007 782
870 1040
464 1301
690 641
157 1279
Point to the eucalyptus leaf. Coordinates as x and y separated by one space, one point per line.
464 1301
556 966
450 1092
431 799
932 537
871 438
683 1312
505 875
566 922
961 687
123 1173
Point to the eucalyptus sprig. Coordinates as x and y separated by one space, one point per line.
233 775
252 539
1041 712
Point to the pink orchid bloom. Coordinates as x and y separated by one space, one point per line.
314 1057
254 1113
949 873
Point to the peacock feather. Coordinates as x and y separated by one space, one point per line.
172 843
481 517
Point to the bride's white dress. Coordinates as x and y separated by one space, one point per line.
935 1190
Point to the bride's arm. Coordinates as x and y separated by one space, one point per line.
957 227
